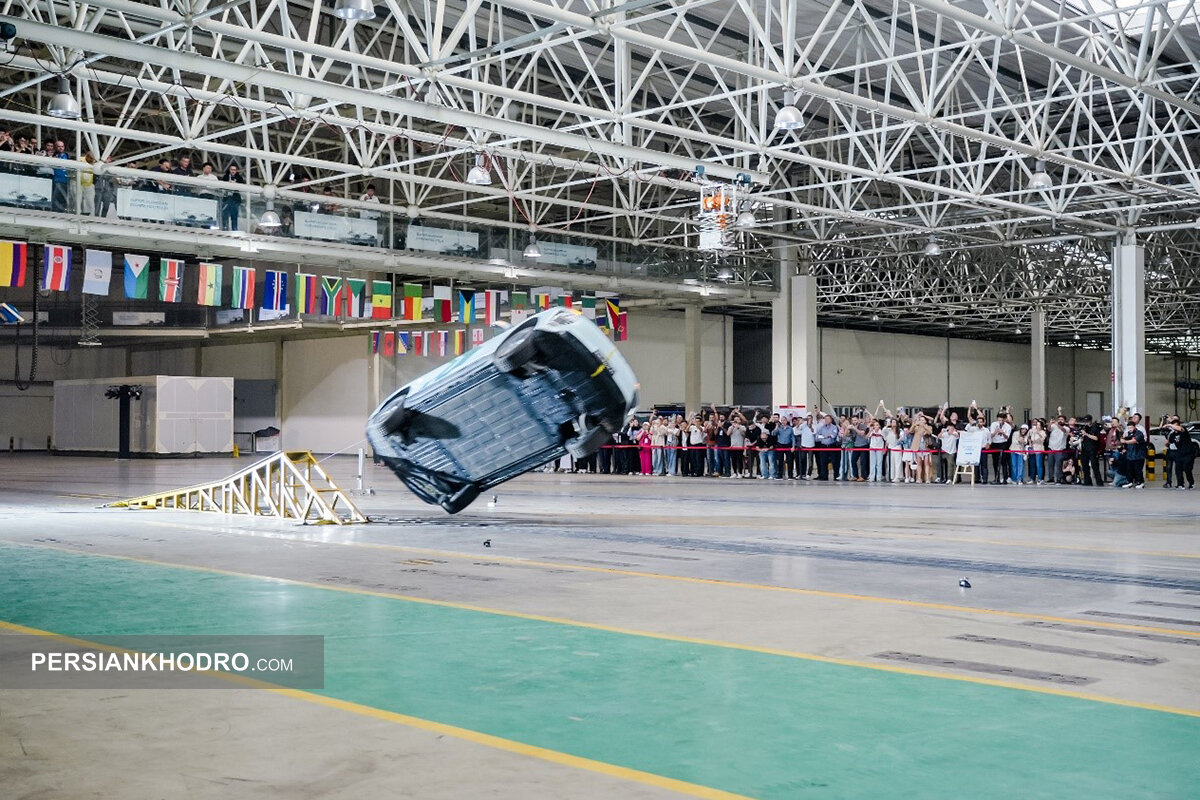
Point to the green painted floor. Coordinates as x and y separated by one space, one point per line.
754 724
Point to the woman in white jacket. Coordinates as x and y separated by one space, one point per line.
891 438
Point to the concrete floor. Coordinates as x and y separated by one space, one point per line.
623 636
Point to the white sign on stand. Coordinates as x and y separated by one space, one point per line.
970 448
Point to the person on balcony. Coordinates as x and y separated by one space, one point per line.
231 203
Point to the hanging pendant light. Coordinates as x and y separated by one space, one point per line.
479 175
933 249
63 105
354 10
789 118
270 219
532 250
1040 180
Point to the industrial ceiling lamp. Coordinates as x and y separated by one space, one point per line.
63 105
1040 179
354 10
933 249
532 250
269 219
745 219
479 175
789 117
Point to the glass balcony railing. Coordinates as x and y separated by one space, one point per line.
201 203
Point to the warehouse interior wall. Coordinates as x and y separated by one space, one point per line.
326 387
863 367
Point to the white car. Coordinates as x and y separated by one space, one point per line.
552 385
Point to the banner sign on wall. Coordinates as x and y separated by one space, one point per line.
173 209
442 240
139 318
336 228
25 191
568 255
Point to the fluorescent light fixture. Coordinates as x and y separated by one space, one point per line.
789 117
1040 179
479 175
63 105
354 10
933 249
532 250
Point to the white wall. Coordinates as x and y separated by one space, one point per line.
327 390
862 367
324 393
655 350
249 360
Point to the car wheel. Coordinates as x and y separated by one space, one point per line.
587 443
456 502
517 352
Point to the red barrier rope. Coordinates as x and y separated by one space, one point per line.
751 448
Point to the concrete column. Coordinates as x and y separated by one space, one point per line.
795 344
1129 319
691 360
1037 360
781 332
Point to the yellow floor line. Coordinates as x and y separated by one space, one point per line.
764 587
772 651
466 734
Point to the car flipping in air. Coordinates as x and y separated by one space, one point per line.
552 385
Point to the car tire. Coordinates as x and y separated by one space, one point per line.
454 503
517 352
587 443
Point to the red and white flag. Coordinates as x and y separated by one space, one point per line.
57 274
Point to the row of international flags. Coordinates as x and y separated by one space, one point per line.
323 295
425 343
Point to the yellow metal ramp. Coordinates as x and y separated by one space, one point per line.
288 485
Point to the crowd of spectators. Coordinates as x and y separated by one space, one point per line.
902 447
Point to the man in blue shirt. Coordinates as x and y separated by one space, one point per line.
827 444
785 464
60 192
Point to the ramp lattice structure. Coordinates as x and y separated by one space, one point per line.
288 485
